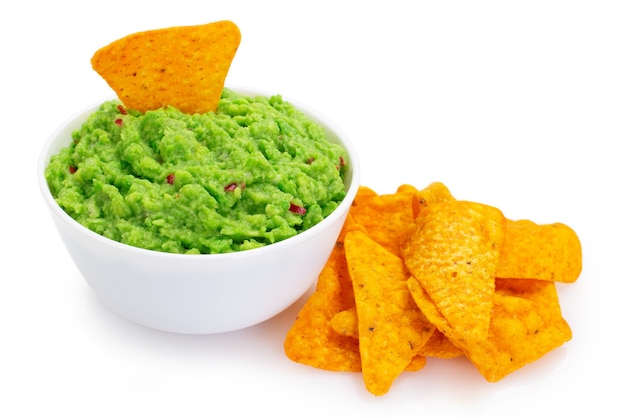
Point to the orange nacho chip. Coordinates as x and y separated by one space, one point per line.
431 195
546 252
391 328
439 346
387 218
428 307
453 256
526 324
311 339
183 66
346 323
417 363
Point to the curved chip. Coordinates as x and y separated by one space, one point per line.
391 327
453 255
547 252
182 66
527 324
387 218
311 339
431 195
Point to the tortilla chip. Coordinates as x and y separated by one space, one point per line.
428 307
437 345
526 324
311 339
416 364
431 195
346 323
544 295
440 347
391 328
388 219
547 252
453 256
363 194
183 66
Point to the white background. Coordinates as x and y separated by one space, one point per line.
520 105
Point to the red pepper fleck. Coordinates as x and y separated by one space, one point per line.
122 110
72 169
341 163
310 160
298 210
232 186
118 121
170 178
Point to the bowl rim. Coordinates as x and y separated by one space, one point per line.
351 187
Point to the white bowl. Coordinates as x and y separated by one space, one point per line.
199 294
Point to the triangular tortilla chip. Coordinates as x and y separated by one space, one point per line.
387 218
441 347
526 324
453 256
182 66
430 195
311 340
428 307
391 327
346 323
547 252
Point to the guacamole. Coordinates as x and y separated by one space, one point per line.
255 172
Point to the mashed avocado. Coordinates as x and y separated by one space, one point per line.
253 173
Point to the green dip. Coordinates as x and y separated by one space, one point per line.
253 173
